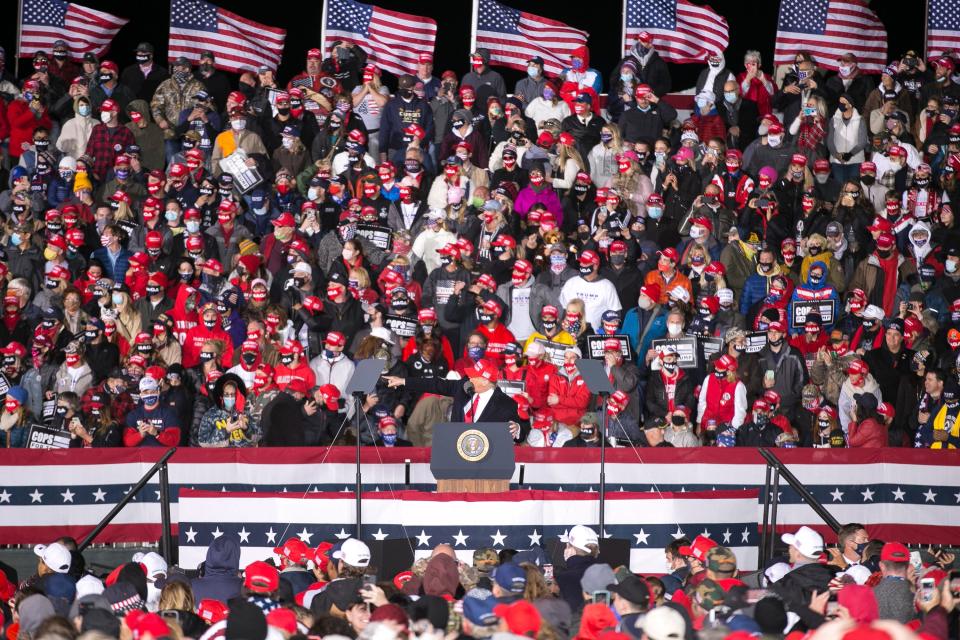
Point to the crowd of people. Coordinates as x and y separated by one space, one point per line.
202 259
861 588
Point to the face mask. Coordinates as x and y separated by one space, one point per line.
574 327
475 353
950 266
618 259
669 367
674 328
586 270
150 399
238 125
730 96
774 141
655 212
761 419
193 226
105 117
210 324
570 367
330 355
84 110
116 299
921 182
548 94
775 343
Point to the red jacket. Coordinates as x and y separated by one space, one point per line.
538 374
23 123
195 339
497 340
868 434
285 375
574 398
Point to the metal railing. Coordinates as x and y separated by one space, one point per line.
771 500
166 537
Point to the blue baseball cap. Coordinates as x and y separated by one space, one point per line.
511 577
478 607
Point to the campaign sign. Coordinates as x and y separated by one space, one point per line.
44 437
595 346
686 347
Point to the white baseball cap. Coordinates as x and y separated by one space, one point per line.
580 537
354 552
89 585
807 541
663 623
154 562
383 333
55 555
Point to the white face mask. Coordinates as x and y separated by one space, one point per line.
106 116
288 143
674 328
696 232
238 125
312 193
774 141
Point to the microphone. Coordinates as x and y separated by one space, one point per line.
468 387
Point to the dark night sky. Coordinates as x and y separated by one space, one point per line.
752 26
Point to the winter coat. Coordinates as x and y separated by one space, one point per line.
75 134
846 401
149 136
867 434
220 579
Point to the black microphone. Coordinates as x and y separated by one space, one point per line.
468 387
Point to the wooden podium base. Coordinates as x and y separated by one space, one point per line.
473 486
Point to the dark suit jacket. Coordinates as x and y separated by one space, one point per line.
500 408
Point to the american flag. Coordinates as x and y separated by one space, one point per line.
682 31
910 495
829 29
239 44
515 520
513 37
84 30
943 26
393 40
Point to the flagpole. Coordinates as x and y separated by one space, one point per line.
323 30
473 27
926 28
16 60
623 29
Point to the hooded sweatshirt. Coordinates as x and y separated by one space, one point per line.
584 80
149 138
220 579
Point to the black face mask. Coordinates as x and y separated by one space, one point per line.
884 253
618 259
286 360
766 267
580 189
868 180
153 290
585 271
105 78
549 326
209 324
678 420
283 111
207 356
775 343
248 358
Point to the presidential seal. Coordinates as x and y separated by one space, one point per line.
473 445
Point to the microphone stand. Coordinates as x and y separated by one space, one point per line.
605 398
357 406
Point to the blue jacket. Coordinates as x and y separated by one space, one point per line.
397 114
755 289
821 288
114 271
633 325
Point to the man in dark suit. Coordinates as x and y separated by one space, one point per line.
480 400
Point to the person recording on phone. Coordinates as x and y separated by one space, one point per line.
476 400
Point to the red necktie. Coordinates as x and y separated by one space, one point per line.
469 415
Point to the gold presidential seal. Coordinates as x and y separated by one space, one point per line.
473 445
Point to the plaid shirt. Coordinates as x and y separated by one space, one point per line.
120 405
105 143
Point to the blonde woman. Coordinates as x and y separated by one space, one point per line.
603 156
567 164
128 319
632 184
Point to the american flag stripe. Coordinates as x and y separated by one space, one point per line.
393 40
828 29
903 494
513 37
520 520
84 29
943 26
238 43
682 31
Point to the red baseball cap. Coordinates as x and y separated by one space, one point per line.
726 362
295 550
670 253
652 291
482 369
260 577
698 548
885 241
858 366
894 552
611 344
776 325
335 339
330 396
285 220
212 611
589 257
886 409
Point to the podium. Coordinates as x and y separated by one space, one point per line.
472 458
